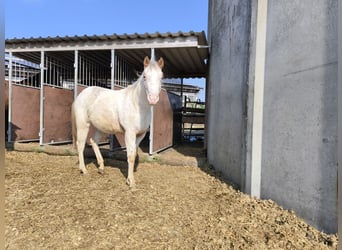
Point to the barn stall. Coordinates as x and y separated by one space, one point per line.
48 73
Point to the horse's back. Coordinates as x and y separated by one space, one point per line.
85 101
99 106
89 95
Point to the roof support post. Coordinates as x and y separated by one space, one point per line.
112 78
181 90
112 66
75 73
41 115
10 95
152 119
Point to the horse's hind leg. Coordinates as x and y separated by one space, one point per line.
94 143
81 140
139 139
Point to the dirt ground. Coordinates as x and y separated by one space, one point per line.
177 205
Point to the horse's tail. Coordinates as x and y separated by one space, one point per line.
73 126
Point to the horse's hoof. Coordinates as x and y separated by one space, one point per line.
131 184
84 172
132 187
100 171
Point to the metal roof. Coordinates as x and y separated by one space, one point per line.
176 87
185 53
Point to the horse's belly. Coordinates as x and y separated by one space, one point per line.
110 129
106 124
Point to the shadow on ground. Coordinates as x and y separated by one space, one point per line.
182 154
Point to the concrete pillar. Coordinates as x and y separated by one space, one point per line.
339 181
255 176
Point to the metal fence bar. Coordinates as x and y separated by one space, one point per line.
41 117
75 73
10 67
112 77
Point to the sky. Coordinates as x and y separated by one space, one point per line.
34 18
43 18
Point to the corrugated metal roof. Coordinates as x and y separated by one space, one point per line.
185 53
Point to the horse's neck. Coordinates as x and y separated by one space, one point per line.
139 93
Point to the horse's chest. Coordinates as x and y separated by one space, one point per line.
136 120
145 121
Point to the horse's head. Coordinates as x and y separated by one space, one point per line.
153 78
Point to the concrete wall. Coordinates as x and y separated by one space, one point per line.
299 159
228 39
298 166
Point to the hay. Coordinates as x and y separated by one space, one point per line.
49 205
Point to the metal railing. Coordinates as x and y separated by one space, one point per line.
58 73
22 72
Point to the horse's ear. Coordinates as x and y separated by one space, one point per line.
146 61
161 62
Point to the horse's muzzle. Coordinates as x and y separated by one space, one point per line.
152 99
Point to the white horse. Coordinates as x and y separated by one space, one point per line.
125 111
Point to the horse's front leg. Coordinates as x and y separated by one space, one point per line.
130 141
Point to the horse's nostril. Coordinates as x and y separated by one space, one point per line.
153 99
